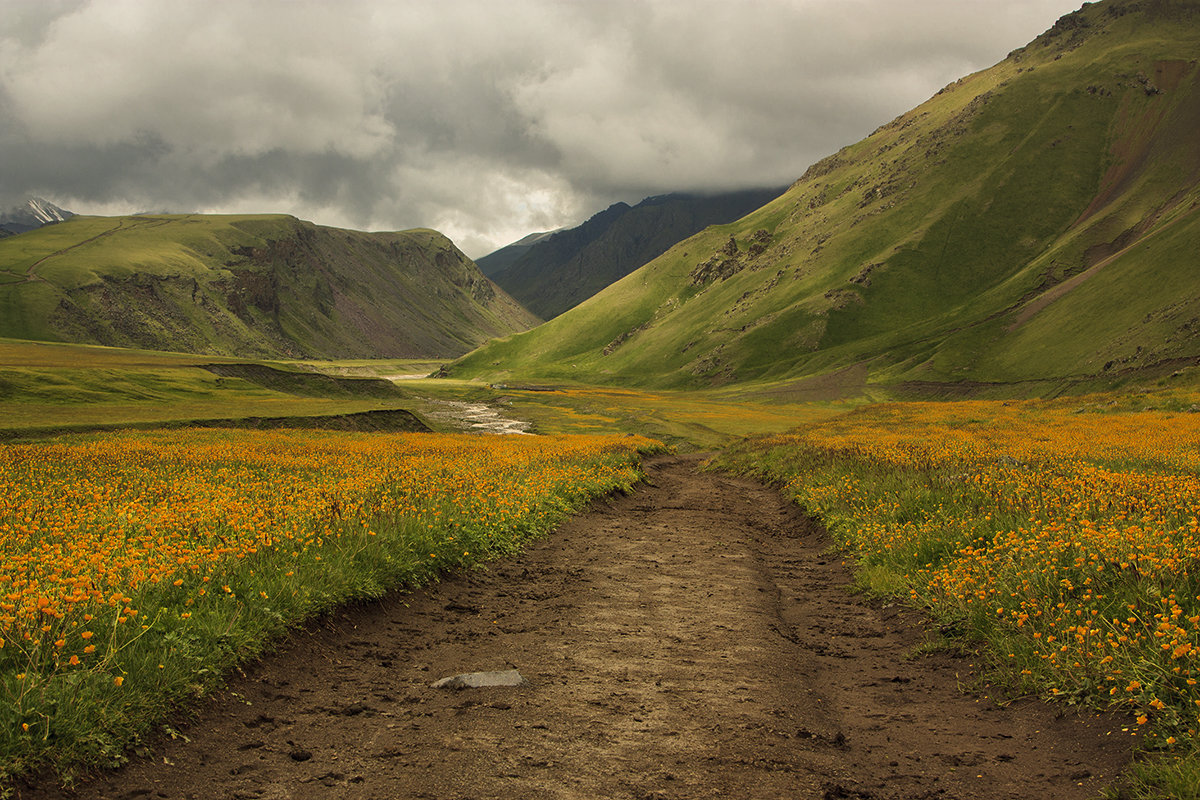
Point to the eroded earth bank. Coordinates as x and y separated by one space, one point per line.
694 639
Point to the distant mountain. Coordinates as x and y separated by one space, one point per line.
1032 228
254 286
504 257
33 213
557 271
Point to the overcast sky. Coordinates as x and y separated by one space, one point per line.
486 120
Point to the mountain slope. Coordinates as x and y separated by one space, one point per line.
248 286
503 258
560 270
33 213
1036 221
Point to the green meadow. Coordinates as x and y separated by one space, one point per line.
968 344
826 449
52 387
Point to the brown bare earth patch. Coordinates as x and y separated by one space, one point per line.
694 639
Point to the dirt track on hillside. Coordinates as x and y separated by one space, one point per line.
691 640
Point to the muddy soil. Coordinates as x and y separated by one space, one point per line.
694 639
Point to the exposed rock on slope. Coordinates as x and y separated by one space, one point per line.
33 213
503 258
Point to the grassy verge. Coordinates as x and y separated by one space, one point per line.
687 421
48 388
138 567
1060 540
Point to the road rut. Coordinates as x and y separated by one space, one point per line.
694 639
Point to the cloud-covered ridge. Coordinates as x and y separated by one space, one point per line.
484 120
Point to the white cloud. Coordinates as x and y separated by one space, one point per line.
485 120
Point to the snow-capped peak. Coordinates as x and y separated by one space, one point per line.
33 213
46 212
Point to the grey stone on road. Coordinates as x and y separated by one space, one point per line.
480 680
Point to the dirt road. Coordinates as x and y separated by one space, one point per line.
692 640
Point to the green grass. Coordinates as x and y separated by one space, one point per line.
48 388
923 497
52 387
686 420
82 250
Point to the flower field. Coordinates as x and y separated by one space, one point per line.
135 567
1067 542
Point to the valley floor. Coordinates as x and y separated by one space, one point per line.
693 639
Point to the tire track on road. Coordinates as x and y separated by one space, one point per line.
694 639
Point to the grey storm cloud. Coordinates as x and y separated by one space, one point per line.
484 120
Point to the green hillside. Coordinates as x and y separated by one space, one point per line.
564 268
261 286
1033 222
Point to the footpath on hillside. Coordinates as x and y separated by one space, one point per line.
693 639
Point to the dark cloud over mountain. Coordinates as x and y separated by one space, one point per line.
484 120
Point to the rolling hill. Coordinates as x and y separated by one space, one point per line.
249 286
558 270
1032 224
